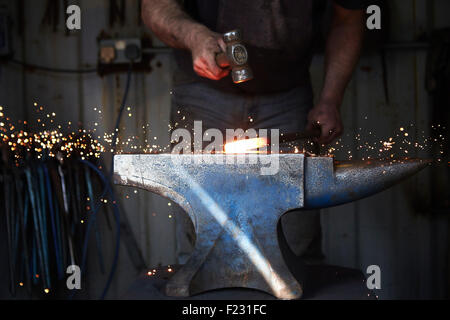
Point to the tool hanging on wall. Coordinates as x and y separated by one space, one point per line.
51 14
117 12
139 13
53 11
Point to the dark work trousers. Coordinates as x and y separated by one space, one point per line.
224 110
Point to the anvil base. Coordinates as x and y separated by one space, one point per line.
324 283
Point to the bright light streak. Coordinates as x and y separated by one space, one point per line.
242 240
245 145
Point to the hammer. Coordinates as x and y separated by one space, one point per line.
236 56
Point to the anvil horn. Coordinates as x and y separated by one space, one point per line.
329 183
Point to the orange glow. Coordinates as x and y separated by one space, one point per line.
246 145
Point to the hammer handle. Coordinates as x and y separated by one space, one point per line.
305 135
222 60
295 136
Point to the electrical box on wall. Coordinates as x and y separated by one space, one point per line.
116 54
5 45
120 51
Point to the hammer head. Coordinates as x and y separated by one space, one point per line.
237 57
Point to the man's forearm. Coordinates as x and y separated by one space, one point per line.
177 29
342 52
170 23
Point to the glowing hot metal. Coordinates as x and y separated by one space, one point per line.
246 145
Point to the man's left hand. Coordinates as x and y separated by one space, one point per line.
328 118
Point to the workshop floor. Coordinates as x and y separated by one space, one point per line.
322 282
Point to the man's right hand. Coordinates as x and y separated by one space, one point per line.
205 47
169 22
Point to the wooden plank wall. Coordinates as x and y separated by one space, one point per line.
387 229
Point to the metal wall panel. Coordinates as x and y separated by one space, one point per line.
391 229
387 229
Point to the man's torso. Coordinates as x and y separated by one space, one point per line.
278 35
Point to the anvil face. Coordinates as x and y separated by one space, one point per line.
235 209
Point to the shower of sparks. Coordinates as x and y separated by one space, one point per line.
48 139
58 140
62 140
402 143
23 144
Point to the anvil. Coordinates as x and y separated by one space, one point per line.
235 209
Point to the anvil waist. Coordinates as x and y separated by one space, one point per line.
222 110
